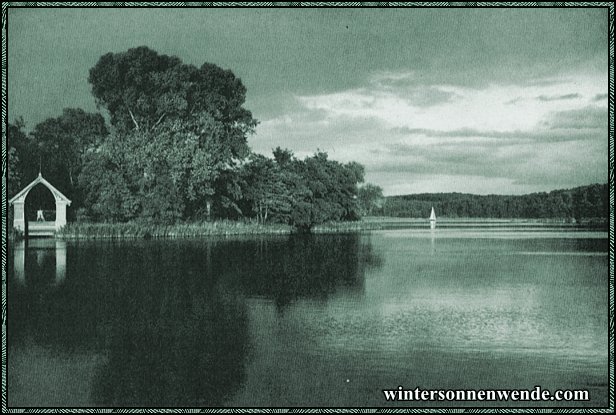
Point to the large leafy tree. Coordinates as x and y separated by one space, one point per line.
143 90
180 127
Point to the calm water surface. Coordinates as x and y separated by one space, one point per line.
326 320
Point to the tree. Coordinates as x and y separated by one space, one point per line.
332 191
266 190
19 150
182 127
23 157
13 176
62 143
129 86
301 193
371 199
586 202
282 157
110 188
142 89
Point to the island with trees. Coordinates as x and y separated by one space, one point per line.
174 151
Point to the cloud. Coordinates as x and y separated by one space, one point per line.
546 98
408 85
572 132
403 100
550 164
404 130
557 97
590 117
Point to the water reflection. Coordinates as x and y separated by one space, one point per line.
39 254
157 323
326 320
191 351
305 266
432 238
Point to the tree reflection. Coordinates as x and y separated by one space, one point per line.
193 354
307 266
170 318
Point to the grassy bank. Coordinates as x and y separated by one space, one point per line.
341 227
185 230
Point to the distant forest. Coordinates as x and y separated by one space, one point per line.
585 202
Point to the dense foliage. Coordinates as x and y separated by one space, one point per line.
56 147
175 150
371 199
582 202
301 193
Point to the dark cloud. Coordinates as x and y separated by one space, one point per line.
557 97
590 117
600 97
417 93
574 131
459 158
523 164
545 98
428 97
514 101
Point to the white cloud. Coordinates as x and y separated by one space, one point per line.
490 108
541 135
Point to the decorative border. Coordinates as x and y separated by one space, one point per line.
608 5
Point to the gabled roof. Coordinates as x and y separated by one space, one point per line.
21 196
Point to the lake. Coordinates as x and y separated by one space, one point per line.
307 320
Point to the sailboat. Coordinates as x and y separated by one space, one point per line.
432 218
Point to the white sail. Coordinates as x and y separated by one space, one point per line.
432 216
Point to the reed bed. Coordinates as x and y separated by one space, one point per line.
340 227
129 230
187 230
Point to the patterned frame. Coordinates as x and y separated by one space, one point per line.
608 5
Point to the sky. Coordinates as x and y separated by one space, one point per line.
471 100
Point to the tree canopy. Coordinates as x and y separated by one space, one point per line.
177 128
176 149
56 147
301 192
371 200
142 90
63 141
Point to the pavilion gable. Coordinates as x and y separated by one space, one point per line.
21 196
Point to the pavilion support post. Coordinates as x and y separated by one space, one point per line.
60 214
19 216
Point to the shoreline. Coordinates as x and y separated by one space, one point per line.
132 230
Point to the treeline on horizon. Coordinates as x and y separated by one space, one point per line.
174 149
585 202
